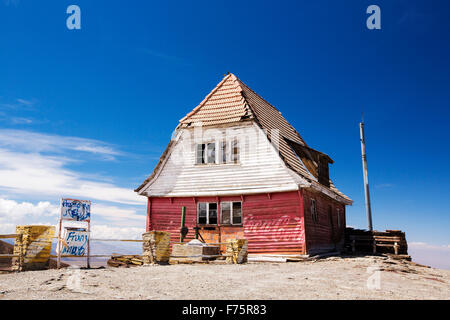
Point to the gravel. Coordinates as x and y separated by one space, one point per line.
330 278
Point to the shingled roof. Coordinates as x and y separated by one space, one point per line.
232 101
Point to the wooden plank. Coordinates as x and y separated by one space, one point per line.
9 236
8 256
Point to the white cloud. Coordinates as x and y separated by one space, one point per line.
122 223
25 102
13 211
108 232
27 212
37 174
28 141
34 163
19 120
122 216
7 228
36 166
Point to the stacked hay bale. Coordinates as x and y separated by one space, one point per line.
156 247
237 251
34 247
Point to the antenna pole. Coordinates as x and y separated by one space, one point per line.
366 177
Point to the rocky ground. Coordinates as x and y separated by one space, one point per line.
328 278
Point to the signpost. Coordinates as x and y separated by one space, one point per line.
75 240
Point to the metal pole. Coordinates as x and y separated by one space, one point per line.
89 239
58 263
366 177
183 217
88 260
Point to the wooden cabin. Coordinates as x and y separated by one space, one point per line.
242 171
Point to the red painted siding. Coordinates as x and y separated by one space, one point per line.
273 223
325 234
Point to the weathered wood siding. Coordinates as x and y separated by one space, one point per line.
260 168
325 234
273 223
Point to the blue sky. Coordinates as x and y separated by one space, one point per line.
94 108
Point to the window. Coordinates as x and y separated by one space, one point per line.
205 153
231 212
338 217
237 213
225 212
200 154
228 152
223 152
235 151
314 211
212 152
207 213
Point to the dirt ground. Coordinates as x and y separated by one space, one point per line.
329 278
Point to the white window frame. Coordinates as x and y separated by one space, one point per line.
205 153
231 213
207 213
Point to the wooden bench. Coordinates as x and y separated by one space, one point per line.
359 239
387 241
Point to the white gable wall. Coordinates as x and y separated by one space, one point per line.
260 168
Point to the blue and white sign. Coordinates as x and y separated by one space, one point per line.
77 210
74 242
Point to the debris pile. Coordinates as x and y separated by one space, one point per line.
237 251
156 247
194 251
33 246
387 242
125 261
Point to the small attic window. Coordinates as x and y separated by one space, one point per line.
205 153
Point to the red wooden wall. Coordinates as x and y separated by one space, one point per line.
325 234
275 223
272 223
